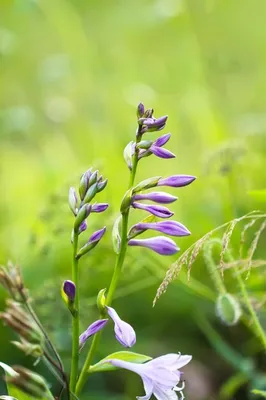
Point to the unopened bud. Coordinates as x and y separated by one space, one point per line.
148 113
93 178
140 110
101 300
101 185
228 309
84 184
145 144
93 241
73 200
91 193
128 154
83 213
146 184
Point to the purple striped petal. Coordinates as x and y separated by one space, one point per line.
99 207
176 180
161 152
172 228
162 140
159 244
157 197
83 226
91 330
159 211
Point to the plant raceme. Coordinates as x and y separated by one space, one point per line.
160 376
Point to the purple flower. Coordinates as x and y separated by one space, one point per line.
152 124
159 211
83 226
157 197
124 332
96 236
140 110
159 244
99 207
69 289
176 180
160 376
162 140
91 330
172 228
161 152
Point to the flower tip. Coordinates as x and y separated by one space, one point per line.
69 289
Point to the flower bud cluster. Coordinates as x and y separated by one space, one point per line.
134 197
90 185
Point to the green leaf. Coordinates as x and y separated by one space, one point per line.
259 195
129 356
259 393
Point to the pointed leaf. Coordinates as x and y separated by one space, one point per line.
129 356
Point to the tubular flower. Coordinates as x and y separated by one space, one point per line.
157 197
176 180
159 244
159 211
160 376
124 332
172 228
91 330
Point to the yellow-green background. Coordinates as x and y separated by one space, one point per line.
72 73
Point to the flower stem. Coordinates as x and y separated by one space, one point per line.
114 281
75 318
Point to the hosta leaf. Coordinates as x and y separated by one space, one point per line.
129 356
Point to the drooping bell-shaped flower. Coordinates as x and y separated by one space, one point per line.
124 332
91 330
160 376
160 244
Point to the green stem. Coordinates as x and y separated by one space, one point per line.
75 318
115 279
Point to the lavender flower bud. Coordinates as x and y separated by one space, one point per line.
176 180
94 177
91 330
162 140
159 211
84 183
172 228
159 244
146 184
69 289
91 193
161 152
124 332
93 241
83 213
157 197
153 124
140 110
83 227
101 185
73 200
99 207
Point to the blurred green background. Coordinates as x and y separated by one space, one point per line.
72 73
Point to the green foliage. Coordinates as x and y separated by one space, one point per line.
129 356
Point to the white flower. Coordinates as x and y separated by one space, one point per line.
160 376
